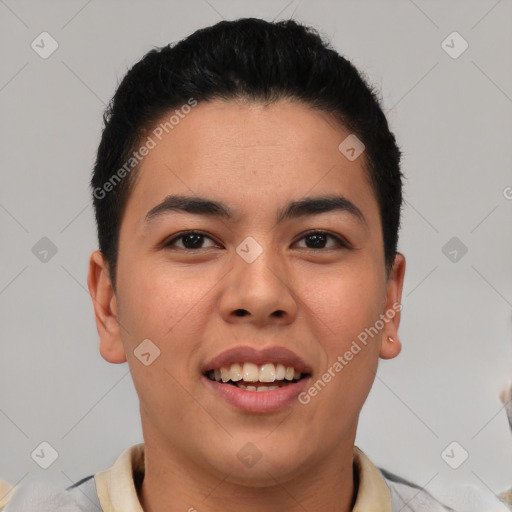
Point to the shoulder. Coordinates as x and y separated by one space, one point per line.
90 494
406 495
79 497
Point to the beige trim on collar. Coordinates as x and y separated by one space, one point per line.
117 492
373 494
116 487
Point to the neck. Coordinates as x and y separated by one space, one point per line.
174 483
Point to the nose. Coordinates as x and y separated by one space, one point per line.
259 292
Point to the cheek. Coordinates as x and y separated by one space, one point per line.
344 302
171 306
164 301
345 309
166 307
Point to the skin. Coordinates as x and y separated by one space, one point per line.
256 159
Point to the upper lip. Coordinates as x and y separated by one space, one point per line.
249 354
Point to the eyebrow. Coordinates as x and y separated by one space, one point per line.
211 208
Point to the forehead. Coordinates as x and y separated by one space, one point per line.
250 153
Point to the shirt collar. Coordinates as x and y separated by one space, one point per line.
373 493
116 485
117 491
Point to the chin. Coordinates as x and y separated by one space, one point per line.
251 466
262 474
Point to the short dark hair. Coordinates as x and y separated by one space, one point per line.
252 59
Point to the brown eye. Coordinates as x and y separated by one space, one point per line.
190 240
318 240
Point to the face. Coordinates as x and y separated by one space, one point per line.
257 288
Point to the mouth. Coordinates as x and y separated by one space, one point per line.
252 377
257 381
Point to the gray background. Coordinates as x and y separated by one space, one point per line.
452 118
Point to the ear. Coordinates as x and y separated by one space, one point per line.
388 348
104 301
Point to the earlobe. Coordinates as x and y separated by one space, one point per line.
105 309
390 343
390 347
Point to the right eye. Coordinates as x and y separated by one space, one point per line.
192 240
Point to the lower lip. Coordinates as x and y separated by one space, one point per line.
258 401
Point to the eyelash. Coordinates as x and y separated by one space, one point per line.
342 243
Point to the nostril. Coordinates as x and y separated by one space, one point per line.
240 312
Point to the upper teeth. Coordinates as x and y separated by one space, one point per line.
251 372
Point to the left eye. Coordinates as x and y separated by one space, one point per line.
316 239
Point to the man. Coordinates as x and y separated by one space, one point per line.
247 192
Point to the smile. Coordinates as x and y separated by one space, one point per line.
257 380
252 377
